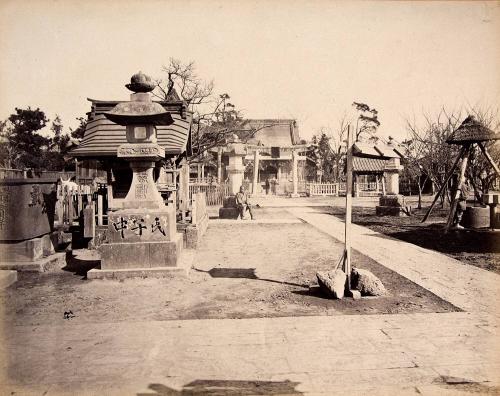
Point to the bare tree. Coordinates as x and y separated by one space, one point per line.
184 84
480 173
430 155
215 119
433 156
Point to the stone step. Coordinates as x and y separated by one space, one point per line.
50 263
7 278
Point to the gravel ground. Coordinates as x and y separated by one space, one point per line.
241 270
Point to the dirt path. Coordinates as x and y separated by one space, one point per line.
241 270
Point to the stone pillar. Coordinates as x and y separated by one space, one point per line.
391 173
392 183
295 178
184 187
255 188
202 173
236 168
219 164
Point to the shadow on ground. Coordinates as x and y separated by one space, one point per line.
226 388
243 273
78 266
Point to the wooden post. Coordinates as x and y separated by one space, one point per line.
461 181
348 211
99 210
89 221
198 174
255 172
219 165
462 151
295 179
79 193
488 157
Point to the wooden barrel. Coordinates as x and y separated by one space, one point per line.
476 217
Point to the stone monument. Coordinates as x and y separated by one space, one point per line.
142 236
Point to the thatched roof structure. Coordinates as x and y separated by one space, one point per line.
471 131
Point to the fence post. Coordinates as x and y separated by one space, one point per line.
99 209
193 209
79 193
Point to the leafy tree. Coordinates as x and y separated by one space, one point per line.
25 146
58 148
78 133
367 122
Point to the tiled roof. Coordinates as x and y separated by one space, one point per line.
376 150
274 132
471 131
364 164
102 137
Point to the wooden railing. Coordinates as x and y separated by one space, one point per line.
6 173
215 193
70 204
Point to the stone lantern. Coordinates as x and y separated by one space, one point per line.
142 235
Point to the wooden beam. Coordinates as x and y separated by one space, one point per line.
448 177
488 157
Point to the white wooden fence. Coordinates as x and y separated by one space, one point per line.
336 189
323 189
215 193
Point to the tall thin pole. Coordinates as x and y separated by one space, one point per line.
348 210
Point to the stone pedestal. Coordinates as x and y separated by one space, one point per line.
391 205
236 168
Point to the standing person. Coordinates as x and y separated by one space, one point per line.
242 203
461 196
267 185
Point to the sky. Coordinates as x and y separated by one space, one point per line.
307 60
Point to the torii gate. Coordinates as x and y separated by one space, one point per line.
294 149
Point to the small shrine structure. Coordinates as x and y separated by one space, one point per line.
376 168
263 150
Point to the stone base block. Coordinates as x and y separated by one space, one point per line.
193 233
294 195
7 278
53 262
394 200
229 202
389 211
29 250
228 213
118 274
132 255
